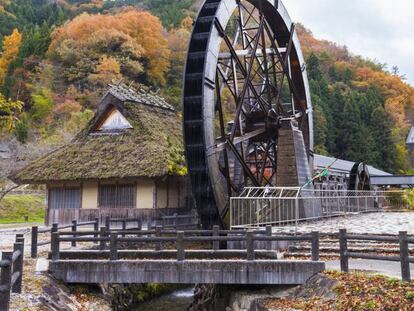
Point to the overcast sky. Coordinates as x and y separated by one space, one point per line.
378 29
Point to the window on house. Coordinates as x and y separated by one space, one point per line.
116 196
60 198
115 121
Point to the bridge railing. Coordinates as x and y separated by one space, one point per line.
112 243
11 274
35 232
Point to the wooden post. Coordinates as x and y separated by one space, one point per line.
33 246
158 234
96 228
108 223
124 227
216 244
55 246
5 280
405 257
55 228
18 266
19 237
102 235
113 246
269 233
176 221
315 245
343 249
180 246
74 226
139 224
250 245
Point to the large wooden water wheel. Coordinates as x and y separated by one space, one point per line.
245 81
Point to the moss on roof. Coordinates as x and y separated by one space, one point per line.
153 148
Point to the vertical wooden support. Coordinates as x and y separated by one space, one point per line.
55 246
180 246
102 235
343 249
269 234
176 221
18 265
158 234
124 223
74 227
315 245
19 237
5 280
96 228
113 246
108 223
216 244
250 245
404 257
33 246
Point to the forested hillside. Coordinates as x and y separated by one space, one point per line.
57 58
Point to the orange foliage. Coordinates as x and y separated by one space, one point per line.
144 29
11 46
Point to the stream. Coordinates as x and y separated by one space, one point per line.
176 301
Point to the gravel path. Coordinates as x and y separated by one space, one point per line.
372 223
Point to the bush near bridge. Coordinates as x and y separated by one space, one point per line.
355 291
14 208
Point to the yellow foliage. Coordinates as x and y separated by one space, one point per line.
144 32
10 110
108 70
11 46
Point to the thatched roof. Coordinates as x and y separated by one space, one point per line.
151 149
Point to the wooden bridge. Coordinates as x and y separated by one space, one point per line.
180 257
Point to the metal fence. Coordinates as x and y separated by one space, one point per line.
287 206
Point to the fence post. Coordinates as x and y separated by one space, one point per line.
33 246
18 265
269 234
113 246
19 237
158 234
74 226
55 246
108 223
102 235
96 228
343 249
216 244
124 223
405 257
176 221
5 280
315 246
55 228
180 246
250 245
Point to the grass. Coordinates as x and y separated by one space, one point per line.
14 209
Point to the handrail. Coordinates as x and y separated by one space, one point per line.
179 238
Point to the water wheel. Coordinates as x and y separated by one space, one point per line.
245 80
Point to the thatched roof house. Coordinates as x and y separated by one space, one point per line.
128 159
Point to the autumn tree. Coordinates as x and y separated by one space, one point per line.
9 111
133 39
11 45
